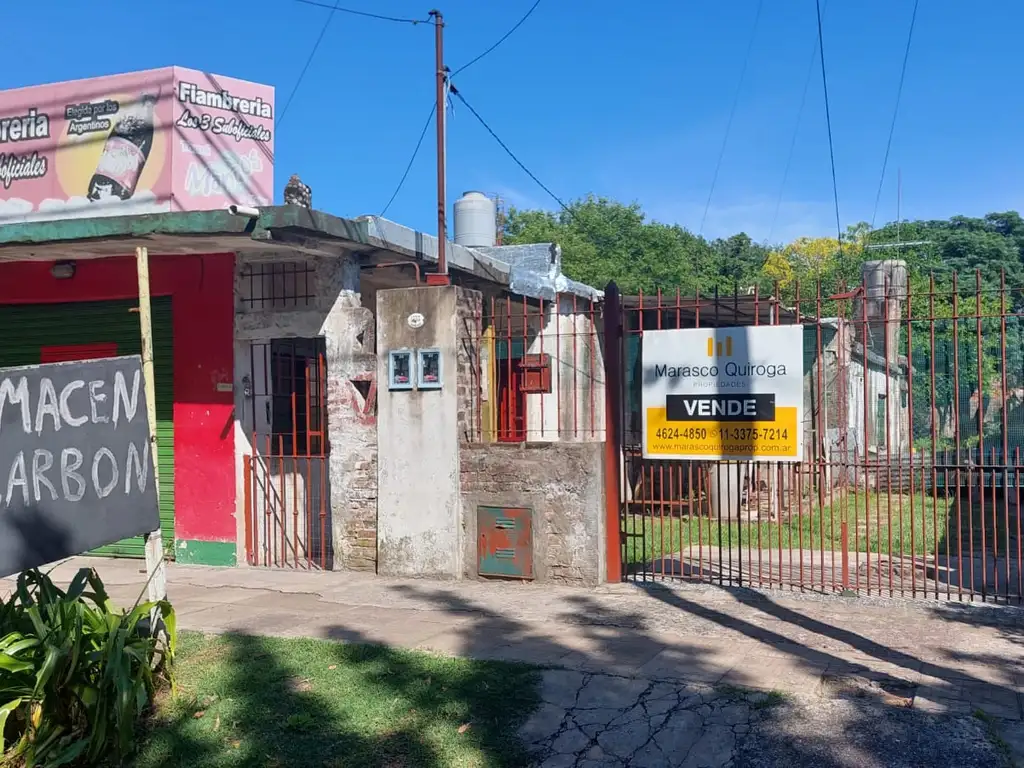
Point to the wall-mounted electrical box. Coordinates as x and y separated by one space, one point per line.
505 542
428 369
400 369
536 374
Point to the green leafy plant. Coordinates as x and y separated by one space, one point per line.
77 673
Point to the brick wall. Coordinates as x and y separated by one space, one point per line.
468 337
329 306
564 485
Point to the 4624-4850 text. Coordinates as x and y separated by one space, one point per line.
751 434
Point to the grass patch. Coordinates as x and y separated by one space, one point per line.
876 523
772 699
758 700
250 701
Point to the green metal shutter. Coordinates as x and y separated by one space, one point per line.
26 329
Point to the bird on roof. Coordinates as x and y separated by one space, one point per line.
297 193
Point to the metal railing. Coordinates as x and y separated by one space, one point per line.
286 473
912 432
540 371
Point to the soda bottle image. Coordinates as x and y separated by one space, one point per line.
125 152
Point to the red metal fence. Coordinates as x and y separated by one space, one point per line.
912 432
540 370
286 474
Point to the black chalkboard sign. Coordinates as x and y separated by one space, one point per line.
75 465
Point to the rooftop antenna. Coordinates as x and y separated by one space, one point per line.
899 244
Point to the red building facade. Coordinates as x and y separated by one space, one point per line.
90 313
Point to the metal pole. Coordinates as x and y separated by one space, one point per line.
614 439
157 576
441 77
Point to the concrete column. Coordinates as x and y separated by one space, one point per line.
419 512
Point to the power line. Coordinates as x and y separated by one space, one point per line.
408 167
366 14
796 132
732 114
501 40
828 122
433 108
508 151
323 31
305 68
895 111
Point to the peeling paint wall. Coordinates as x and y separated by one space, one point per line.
560 473
563 483
418 467
331 309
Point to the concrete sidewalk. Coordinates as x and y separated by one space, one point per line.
930 657
951 657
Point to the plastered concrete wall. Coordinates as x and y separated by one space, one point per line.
335 313
564 485
419 526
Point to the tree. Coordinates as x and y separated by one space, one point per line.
992 245
778 270
814 261
738 262
603 240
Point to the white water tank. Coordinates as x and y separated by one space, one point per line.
475 220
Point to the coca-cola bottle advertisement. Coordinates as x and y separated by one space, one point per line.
125 152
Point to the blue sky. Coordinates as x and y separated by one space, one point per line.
628 101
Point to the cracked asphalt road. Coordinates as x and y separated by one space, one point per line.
596 721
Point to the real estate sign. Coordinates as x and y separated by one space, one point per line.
169 139
723 393
76 470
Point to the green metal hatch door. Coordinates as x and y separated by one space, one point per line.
44 333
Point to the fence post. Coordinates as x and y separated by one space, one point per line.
613 373
247 506
155 568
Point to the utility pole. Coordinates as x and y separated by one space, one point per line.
899 202
441 76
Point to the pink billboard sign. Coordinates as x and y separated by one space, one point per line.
162 140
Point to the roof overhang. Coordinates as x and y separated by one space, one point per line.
276 228
278 231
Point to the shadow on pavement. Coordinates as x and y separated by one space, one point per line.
855 717
651 676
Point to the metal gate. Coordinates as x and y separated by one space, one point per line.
912 432
286 475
